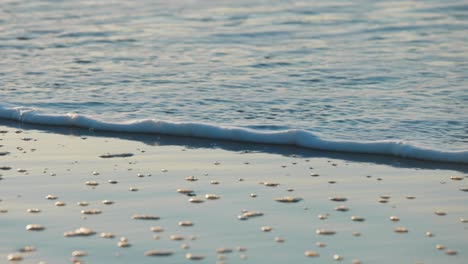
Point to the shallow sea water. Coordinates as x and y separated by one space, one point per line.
59 162
360 70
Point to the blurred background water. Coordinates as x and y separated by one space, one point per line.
354 70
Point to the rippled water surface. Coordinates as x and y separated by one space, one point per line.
356 70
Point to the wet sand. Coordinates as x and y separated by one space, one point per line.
71 195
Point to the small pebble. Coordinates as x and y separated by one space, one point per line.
124 244
27 249
324 232
337 257
51 197
92 183
60 204
320 244
241 249
338 199
394 218
266 228
451 252
34 227
429 234
107 202
322 216
253 195
212 197
157 229
112 181
271 184
107 235
193 257
176 237
79 253
145 217
191 178
250 214
185 223
341 208
95 173
82 231
159 253
288 199
34 210
456 178
82 203
91 212
401 230
133 189
440 247
196 200
185 191
311 253
358 218
464 220
280 239
14 257
440 213
224 250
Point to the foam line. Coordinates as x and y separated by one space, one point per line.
300 138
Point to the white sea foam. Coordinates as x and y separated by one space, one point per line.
293 137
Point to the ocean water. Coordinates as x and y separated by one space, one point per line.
387 77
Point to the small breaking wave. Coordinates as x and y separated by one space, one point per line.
293 137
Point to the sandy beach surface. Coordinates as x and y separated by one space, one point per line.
78 196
